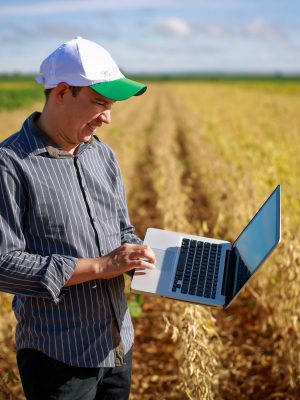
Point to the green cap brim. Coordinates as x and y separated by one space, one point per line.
120 89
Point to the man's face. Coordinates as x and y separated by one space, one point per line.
83 114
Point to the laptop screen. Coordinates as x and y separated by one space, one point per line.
261 235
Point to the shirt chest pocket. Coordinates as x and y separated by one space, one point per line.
102 201
106 210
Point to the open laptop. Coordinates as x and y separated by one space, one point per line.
210 271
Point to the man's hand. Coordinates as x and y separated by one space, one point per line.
125 258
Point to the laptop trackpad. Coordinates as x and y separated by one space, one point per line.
165 259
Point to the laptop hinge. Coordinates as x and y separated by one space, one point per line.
229 273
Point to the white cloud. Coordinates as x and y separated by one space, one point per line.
262 29
173 26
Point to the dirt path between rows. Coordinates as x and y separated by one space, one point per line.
154 363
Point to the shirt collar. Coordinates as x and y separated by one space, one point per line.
38 142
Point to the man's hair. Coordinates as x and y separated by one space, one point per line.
74 89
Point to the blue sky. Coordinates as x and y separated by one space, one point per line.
157 36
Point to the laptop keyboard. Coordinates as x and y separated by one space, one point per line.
198 268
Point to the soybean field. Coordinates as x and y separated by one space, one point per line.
200 156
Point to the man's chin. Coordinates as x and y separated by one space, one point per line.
88 138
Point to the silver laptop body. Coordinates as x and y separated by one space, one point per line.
208 271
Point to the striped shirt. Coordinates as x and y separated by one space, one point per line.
57 208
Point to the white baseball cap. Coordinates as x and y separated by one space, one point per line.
81 62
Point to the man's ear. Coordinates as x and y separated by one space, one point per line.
60 91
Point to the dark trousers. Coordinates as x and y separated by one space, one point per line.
44 378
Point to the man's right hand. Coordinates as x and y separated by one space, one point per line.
125 258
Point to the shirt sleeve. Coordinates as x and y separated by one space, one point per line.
21 272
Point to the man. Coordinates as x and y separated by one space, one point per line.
65 234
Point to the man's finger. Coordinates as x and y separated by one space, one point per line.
144 257
147 253
141 264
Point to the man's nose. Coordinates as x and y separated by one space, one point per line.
105 117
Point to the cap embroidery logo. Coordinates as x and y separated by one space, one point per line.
106 74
